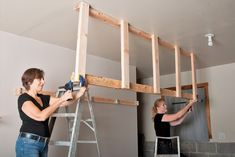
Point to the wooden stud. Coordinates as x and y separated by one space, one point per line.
194 82
81 51
177 71
155 62
125 55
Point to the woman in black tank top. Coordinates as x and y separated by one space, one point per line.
35 108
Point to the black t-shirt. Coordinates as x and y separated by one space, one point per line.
161 128
30 125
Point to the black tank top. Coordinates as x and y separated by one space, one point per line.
30 125
161 128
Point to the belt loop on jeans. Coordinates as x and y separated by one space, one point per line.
34 137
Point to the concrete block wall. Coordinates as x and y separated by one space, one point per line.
198 149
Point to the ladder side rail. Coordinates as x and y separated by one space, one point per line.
75 130
93 121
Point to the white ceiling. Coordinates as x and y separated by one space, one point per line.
182 22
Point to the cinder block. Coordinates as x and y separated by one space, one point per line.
219 155
226 148
187 147
199 155
206 147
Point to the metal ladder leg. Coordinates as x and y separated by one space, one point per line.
93 121
75 130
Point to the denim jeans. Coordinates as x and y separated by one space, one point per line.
26 147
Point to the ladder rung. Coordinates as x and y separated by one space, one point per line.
88 120
168 155
60 143
82 141
67 143
64 115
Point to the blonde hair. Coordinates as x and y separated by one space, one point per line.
154 108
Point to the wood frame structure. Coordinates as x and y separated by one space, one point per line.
85 11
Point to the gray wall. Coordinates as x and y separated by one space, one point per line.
116 124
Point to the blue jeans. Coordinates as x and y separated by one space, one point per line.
26 147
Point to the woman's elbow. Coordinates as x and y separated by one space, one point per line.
40 118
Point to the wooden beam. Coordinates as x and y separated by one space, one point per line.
125 55
112 83
177 71
97 99
194 82
81 51
140 33
101 16
155 62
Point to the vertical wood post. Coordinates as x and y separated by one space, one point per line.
81 51
125 54
155 62
194 82
177 71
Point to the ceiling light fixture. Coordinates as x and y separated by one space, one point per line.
210 38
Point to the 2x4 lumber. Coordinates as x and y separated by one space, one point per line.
177 71
115 22
81 51
140 33
194 82
112 83
125 55
97 99
155 62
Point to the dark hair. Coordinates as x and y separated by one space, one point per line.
29 75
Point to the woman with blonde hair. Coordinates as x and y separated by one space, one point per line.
163 121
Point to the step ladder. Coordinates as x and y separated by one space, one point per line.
74 120
167 155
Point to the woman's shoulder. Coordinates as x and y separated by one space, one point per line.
23 97
158 116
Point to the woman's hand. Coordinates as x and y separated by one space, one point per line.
67 95
80 92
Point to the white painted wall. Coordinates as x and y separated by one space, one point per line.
221 97
116 124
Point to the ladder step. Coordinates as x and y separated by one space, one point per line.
64 115
167 155
67 143
82 141
88 120
60 143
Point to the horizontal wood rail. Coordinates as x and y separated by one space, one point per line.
112 83
95 99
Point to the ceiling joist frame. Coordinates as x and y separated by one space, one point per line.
85 11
